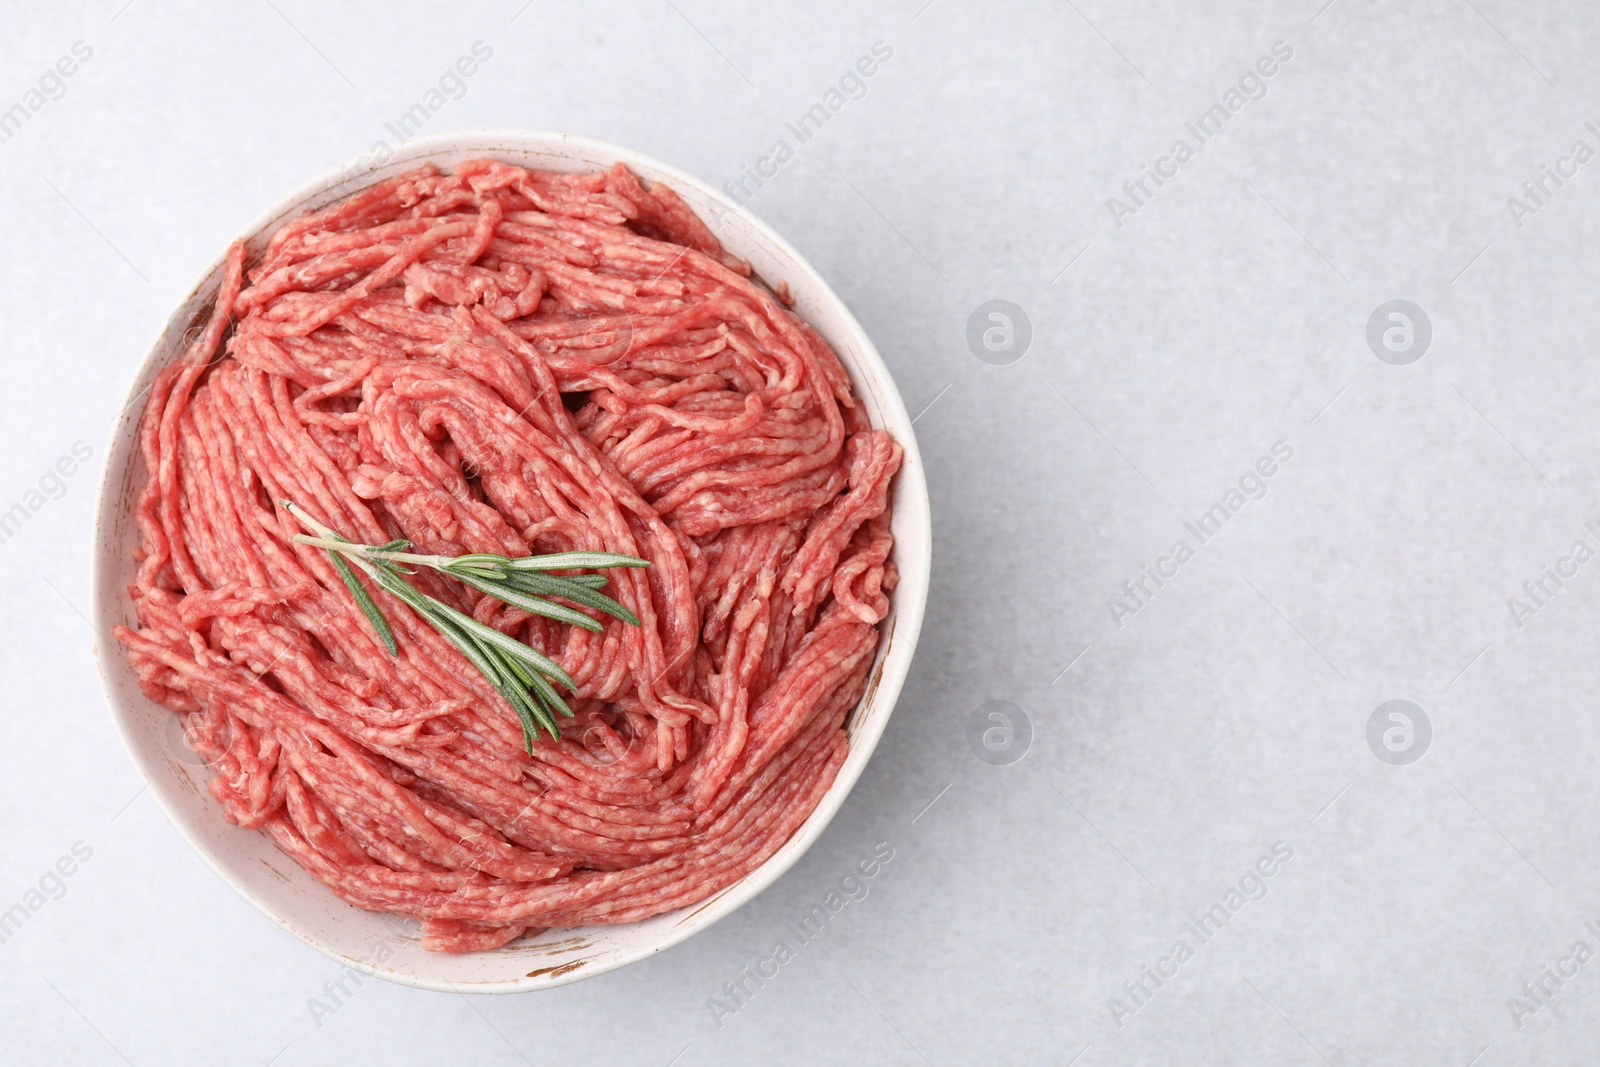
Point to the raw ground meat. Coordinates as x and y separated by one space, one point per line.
512 361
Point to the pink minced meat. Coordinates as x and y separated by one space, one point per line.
512 361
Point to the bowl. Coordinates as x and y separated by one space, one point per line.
387 946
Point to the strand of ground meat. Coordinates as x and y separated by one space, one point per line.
512 361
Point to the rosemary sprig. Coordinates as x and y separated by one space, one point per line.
522 674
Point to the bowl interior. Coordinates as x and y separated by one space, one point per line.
388 946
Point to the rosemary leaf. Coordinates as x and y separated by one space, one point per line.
508 645
398 587
558 612
551 697
561 561
490 573
479 559
547 585
486 664
536 707
380 625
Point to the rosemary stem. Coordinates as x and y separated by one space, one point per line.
367 552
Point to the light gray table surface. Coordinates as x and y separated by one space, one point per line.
1178 333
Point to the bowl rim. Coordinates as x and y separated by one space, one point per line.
912 553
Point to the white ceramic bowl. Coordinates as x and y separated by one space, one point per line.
384 945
